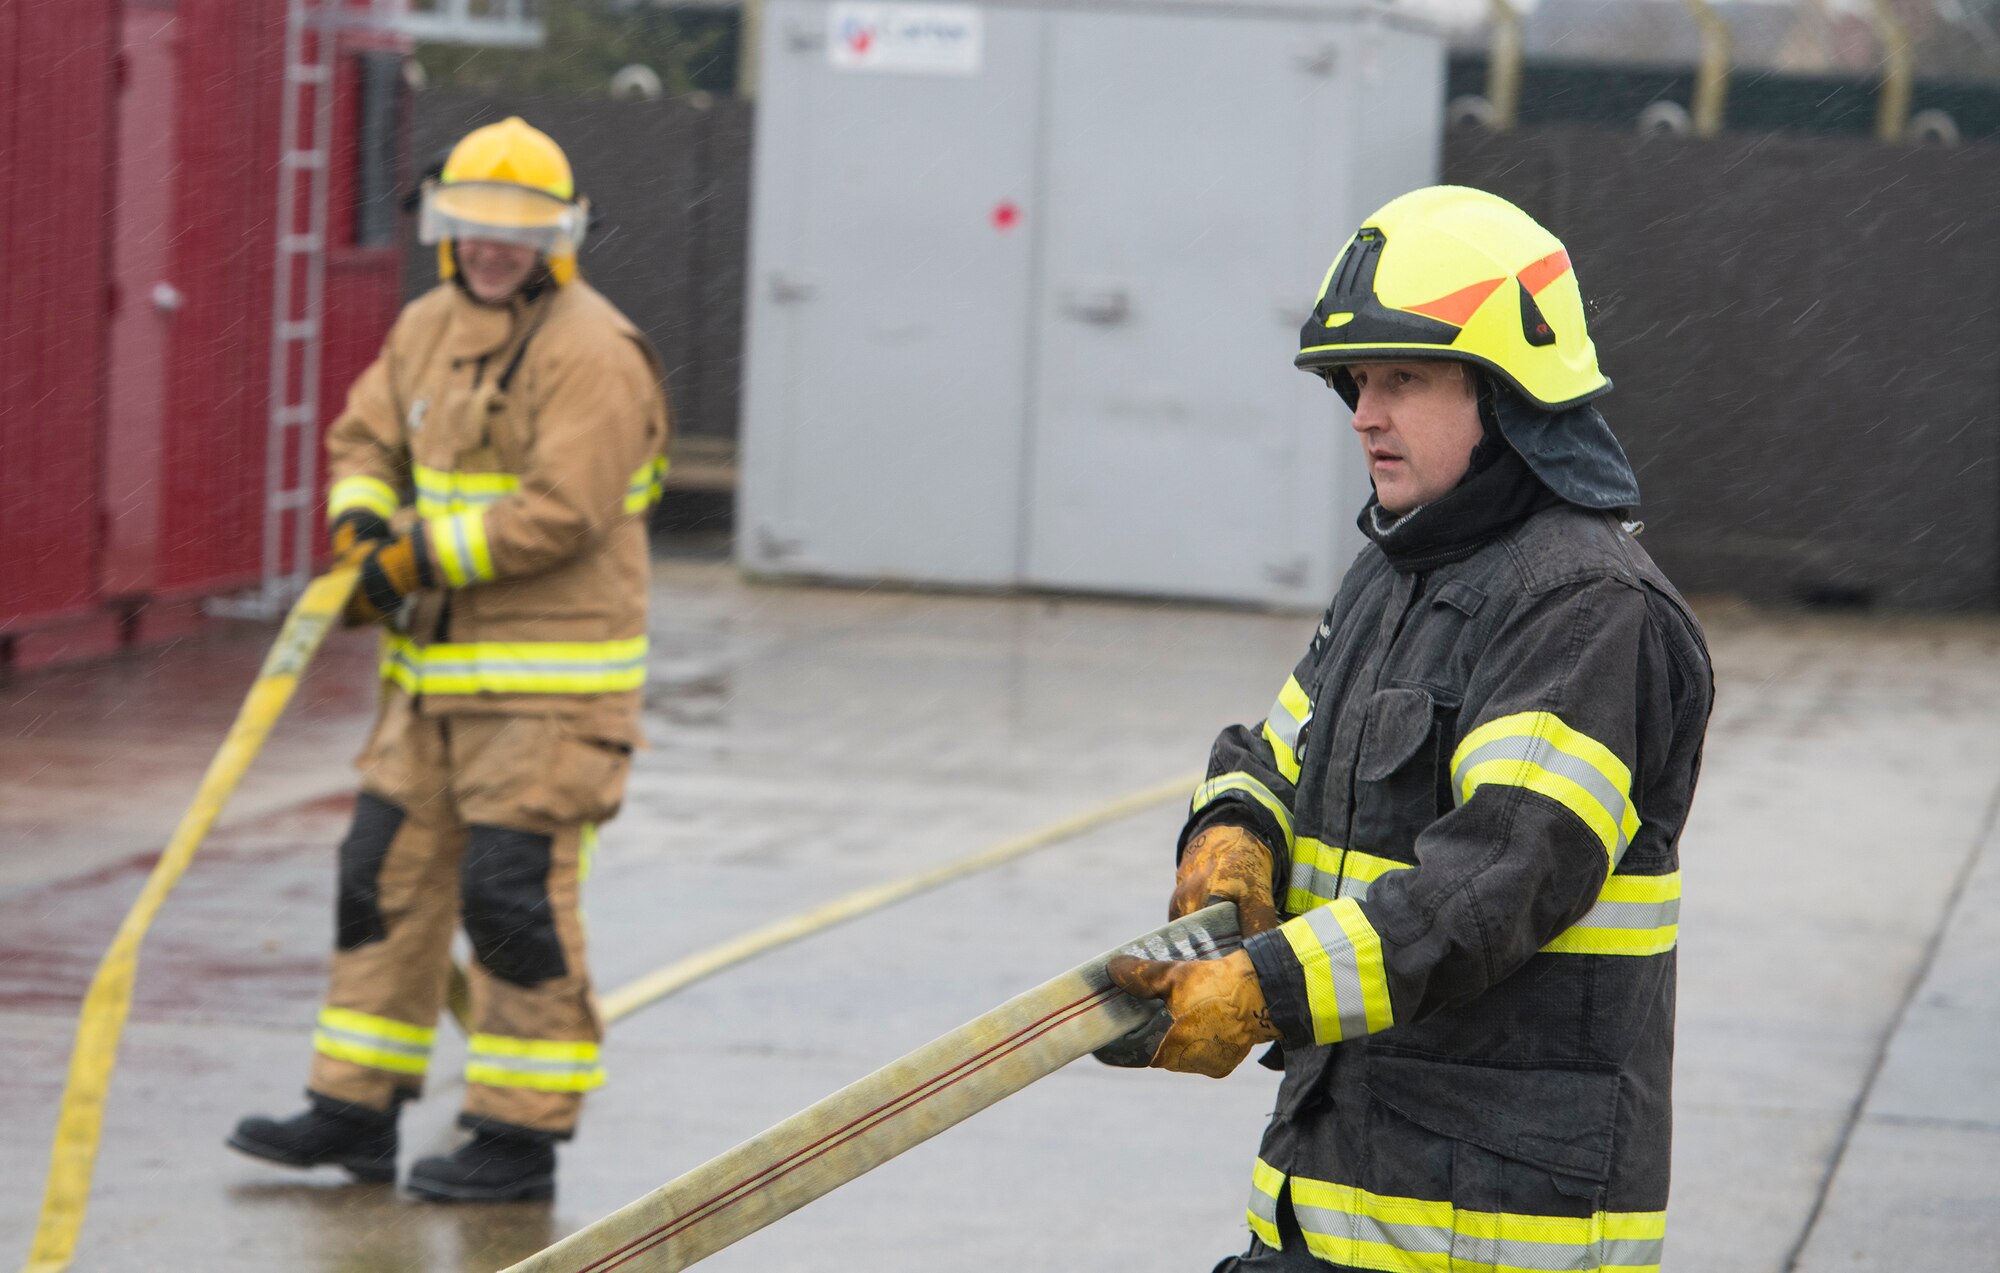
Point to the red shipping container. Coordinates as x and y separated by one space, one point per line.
138 327
57 81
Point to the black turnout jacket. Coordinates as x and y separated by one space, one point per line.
1474 784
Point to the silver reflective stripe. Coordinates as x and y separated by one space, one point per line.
1419 1238
467 499
1285 725
462 548
1310 878
1341 970
1642 1253
1518 1254
1263 1206
1215 788
1539 751
377 1042
439 493
1636 915
488 667
1524 1253
531 1064
442 503
476 667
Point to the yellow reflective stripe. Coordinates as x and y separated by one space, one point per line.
566 1051
1322 872
1265 1182
1563 790
1315 875
381 1027
378 1042
1207 792
1281 729
1634 915
515 667
1351 1226
1288 760
458 545
543 1065
1293 701
332 1045
446 482
441 492
1628 1226
586 851
1536 750
371 493
492 1075
1365 868
647 485
1340 960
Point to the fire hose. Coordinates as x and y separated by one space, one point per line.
80 1122
892 1110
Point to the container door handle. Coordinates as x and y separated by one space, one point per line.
1104 306
788 287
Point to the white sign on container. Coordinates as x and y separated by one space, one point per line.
919 39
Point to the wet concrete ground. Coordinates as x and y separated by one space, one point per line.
1838 1094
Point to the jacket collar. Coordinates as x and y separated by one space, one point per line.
481 331
1489 502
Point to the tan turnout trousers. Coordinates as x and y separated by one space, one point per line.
523 444
484 821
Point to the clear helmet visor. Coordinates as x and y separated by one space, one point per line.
504 212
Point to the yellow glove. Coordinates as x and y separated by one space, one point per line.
354 531
1217 1007
1230 864
391 571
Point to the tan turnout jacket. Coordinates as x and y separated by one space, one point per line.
527 443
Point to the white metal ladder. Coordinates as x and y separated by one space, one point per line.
298 287
298 301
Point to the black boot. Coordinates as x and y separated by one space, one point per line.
494 1166
354 1137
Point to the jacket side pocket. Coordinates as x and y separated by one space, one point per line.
1529 1151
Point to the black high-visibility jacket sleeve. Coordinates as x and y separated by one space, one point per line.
1547 741
1248 783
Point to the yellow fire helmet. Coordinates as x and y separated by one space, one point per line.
507 181
1453 272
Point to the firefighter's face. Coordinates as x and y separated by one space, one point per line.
1419 422
494 270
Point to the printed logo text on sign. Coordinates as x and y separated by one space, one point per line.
921 39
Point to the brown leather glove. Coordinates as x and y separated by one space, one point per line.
1217 1007
390 571
1231 864
354 531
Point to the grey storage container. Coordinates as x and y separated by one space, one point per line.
1026 280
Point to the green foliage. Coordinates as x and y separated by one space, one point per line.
692 48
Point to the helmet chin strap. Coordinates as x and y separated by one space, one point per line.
1492 443
539 280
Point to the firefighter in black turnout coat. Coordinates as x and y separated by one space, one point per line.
1457 829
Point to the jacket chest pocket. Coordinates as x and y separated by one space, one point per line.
461 420
1401 779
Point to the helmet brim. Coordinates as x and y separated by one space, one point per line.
504 212
1325 360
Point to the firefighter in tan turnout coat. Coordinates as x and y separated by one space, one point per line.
492 472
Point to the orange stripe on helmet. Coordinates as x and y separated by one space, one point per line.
1545 271
1459 307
